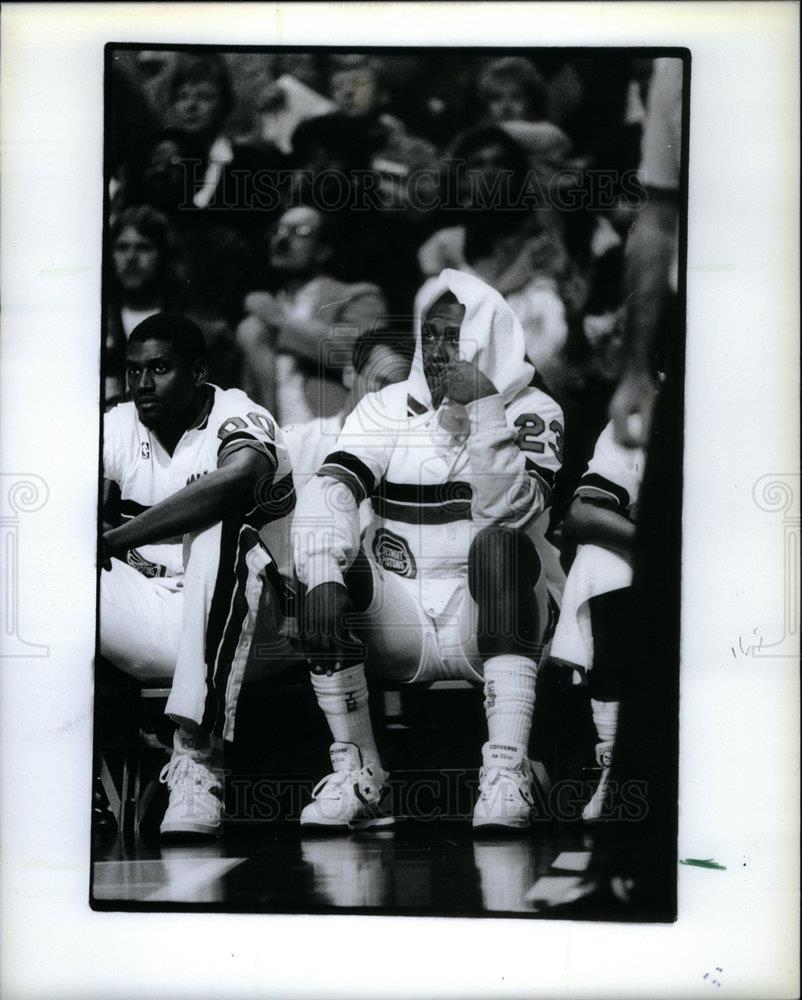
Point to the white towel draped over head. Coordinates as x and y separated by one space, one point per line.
491 336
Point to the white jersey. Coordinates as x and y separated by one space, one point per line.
447 473
436 475
146 474
614 475
612 481
308 442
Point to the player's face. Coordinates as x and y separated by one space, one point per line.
384 367
295 244
162 385
136 260
197 108
440 329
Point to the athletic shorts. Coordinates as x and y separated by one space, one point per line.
406 643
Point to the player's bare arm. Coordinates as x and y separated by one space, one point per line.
649 253
197 505
588 523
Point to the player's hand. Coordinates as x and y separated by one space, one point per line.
631 409
326 636
109 547
105 553
465 383
269 310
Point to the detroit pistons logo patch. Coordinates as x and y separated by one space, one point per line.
393 553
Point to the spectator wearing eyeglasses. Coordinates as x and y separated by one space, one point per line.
296 339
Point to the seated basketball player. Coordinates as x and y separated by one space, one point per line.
597 611
457 460
205 497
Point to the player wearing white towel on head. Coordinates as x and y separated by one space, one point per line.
457 460
596 601
205 498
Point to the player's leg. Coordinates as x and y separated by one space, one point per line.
225 571
388 624
611 617
140 622
504 575
596 613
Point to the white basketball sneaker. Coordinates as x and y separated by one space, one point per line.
505 788
595 808
196 790
353 796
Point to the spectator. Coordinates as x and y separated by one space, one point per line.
511 89
161 175
140 285
356 85
296 340
221 177
329 159
154 269
332 163
512 247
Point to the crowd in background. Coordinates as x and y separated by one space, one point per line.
290 202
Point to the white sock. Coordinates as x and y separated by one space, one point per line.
605 717
510 699
343 697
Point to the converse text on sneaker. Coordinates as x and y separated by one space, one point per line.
505 788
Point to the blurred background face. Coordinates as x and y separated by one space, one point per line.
383 367
506 101
198 107
440 329
355 91
482 167
296 244
136 261
163 176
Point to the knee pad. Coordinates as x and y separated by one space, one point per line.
503 569
612 620
502 557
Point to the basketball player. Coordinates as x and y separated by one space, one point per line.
597 608
379 358
457 460
205 497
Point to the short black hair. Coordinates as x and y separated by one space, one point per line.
471 141
398 340
184 336
335 133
